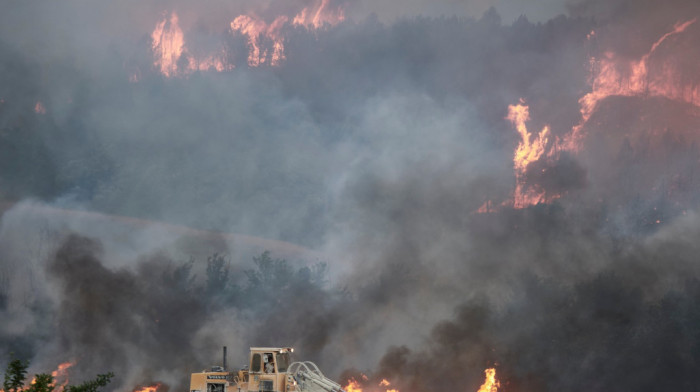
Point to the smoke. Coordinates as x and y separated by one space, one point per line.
375 162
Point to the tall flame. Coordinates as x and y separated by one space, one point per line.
529 150
61 373
168 42
490 383
171 55
256 29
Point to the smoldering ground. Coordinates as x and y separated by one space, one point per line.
374 143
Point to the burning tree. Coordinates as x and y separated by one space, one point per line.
16 376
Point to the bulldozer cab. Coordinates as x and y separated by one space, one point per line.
268 369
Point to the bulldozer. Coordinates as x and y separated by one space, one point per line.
268 370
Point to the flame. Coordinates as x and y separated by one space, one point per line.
60 373
323 15
148 388
612 76
171 55
265 40
168 42
353 386
256 29
528 151
490 383
39 108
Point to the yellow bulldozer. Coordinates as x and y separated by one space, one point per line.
268 370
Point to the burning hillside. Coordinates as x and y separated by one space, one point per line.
492 201
264 40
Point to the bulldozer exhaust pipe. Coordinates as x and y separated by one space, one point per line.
225 358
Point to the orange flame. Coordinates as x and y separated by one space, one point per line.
323 15
528 151
256 28
612 76
490 383
168 42
265 40
148 388
353 386
171 55
60 373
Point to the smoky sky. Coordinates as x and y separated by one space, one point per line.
375 164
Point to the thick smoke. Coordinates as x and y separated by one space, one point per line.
362 162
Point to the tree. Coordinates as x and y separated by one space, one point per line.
217 275
93 385
15 375
43 382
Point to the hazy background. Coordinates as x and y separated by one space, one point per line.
137 207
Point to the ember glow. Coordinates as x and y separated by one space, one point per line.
39 108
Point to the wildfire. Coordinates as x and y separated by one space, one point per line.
354 386
148 388
256 29
613 76
168 42
265 40
528 151
324 14
171 55
61 373
490 383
